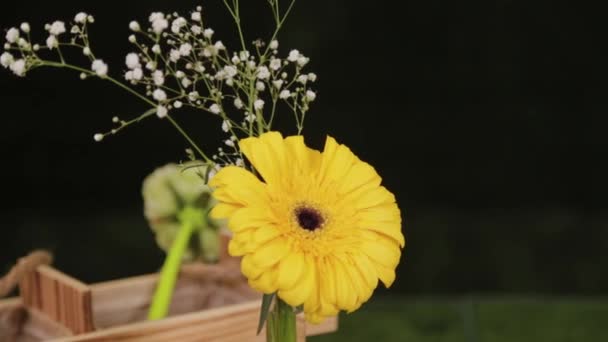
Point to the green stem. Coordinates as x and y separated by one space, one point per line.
111 79
187 137
190 219
281 323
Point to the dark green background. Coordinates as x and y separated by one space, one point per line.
487 119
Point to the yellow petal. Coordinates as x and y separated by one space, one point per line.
249 217
235 185
303 288
270 253
266 282
336 161
236 248
327 282
386 275
366 269
249 269
265 234
346 297
291 269
374 197
223 210
305 158
260 153
360 174
359 285
381 250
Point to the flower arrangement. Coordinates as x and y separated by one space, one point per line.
316 230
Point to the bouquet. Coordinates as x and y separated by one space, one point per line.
316 230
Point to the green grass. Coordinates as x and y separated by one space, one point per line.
475 320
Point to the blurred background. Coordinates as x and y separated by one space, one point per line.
487 119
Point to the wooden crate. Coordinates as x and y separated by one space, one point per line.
55 307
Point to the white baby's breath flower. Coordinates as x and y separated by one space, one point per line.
134 26
185 49
263 73
277 83
283 75
193 96
80 18
132 61
129 75
75 29
177 24
36 47
138 74
18 67
159 95
159 24
226 125
258 104
179 74
303 79
244 55
311 95
57 28
196 16
156 49
132 38
174 55
12 35
235 59
249 117
151 65
161 111
215 108
251 65
25 27
293 55
208 33
230 71
83 76
274 44
23 43
186 82
158 77
229 142
7 46
90 19
100 68
6 59
302 61
275 64
98 137
312 77
284 94
51 42
219 45
197 30
85 51
177 104
238 103
260 86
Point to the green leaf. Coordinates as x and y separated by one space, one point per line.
264 310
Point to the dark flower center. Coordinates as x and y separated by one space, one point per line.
309 218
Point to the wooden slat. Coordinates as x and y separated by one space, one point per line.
61 298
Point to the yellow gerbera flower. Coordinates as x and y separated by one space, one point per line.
319 230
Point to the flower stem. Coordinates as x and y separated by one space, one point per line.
190 220
281 323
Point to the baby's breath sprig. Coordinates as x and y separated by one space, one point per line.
178 63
